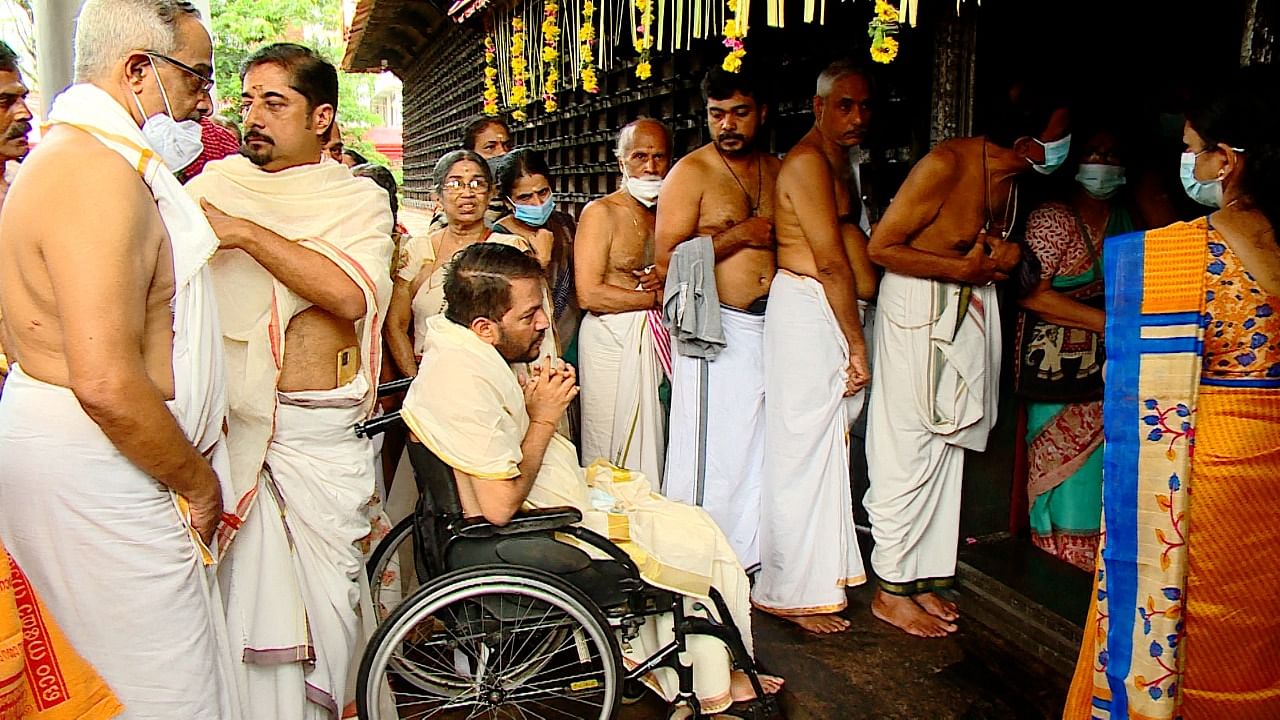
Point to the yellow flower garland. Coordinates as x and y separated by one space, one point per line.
519 71
550 53
644 41
884 48
490 74
734 32
586 53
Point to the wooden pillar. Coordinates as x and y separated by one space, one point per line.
1257 46
955 61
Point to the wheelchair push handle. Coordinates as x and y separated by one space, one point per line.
395 386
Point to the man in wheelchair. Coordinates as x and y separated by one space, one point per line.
497 431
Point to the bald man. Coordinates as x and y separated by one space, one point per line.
622 343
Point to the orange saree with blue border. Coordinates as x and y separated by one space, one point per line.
1185 620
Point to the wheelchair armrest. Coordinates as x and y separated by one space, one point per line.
604 545
542 519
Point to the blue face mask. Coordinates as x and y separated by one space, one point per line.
1055 154
535 215
1205 193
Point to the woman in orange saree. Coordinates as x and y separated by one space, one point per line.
1185 619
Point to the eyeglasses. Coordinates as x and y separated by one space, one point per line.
206 82
454 185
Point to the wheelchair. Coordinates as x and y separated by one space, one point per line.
512 622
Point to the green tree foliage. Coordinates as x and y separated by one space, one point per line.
242 26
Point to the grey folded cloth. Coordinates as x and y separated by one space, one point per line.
691 306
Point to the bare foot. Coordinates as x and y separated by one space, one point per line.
819 624
740 685
937 606
904 614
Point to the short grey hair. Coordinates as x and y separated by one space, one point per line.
838 69
627 135
446 163
108 30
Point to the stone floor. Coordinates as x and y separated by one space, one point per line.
876 672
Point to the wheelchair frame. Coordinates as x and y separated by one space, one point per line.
439 523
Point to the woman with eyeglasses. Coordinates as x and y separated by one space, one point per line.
464 185
524 184
1186 612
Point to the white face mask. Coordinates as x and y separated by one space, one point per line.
178 143
1100 181
644 189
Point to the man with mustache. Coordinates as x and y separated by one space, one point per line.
303 283
15 125
815 365
624 352
722 195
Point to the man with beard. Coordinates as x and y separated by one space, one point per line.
111 443
15 125
624 351
815 366
722 195
498 433
303 284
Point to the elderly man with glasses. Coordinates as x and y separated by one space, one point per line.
111 444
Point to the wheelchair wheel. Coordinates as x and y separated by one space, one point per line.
495 641
393 576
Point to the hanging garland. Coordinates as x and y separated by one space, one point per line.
883 26
490 74
735 29
519 71
550 54
586 53
644 43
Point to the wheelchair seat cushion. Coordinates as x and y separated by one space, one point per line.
601 580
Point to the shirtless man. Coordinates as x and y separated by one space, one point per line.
815 366
15 125
303 283
724 191
943 242
113 416
620 360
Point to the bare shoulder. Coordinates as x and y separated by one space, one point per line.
939 169
97 190
691 166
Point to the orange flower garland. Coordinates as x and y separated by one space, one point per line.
550 54
586 53
490 74
519 71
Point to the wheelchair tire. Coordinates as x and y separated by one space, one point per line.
493 641
392 573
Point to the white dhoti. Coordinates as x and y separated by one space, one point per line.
296 593
808 545
715 455
112 557
943 342
622 417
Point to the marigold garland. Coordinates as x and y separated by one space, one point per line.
881 29
519 71
734 32
490 75
586 53
644 40
550 53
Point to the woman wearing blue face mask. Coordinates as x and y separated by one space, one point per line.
1060 352
1186 609
523 182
